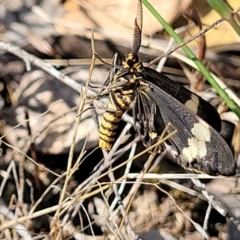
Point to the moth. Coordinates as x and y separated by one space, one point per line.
197 145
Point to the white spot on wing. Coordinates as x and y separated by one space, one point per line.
197 147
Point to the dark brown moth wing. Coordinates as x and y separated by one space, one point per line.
198 105
148 120
199 147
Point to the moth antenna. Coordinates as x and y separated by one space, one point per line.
137 32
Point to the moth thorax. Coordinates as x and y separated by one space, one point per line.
131 60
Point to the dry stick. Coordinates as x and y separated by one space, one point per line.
126 172
163 60
183 58
85 193
182 188
40 213
29 158
122 208
155 176
69 210
45 193
21 171
69 173
32 118
80 156
106 215
207 215
53 208
111 34
146 167
6 176
203 31
20 228
217 205
95 176
19 178
71 203
89 220
31 59
24 154
71 152
20 151
21 182
196 225
112 179
120 190
28 217
138 155
74 168
175 176
74 209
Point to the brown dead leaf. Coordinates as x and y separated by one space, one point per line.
224 33
118 16
236 139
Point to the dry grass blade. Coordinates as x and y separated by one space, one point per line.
31 59
70 171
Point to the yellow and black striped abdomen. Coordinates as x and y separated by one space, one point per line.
120 101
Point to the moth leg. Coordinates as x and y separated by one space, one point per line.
113 105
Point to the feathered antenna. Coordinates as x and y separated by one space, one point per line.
137 34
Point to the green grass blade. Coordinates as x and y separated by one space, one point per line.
225 12
191 55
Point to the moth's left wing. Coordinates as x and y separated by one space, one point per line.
198 105
200 146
